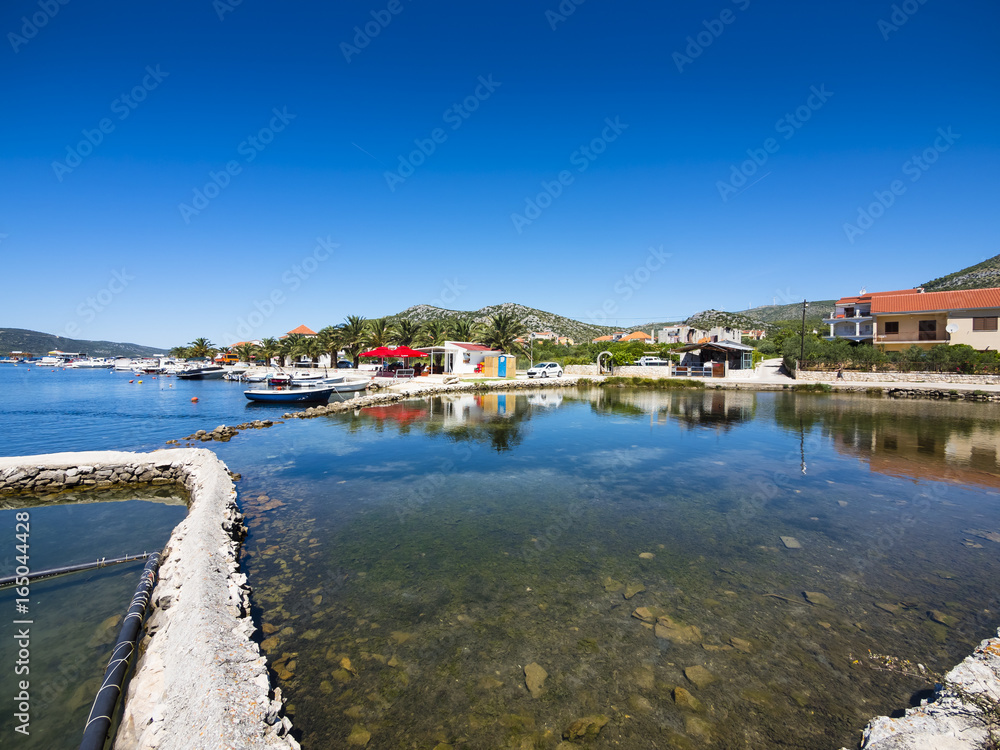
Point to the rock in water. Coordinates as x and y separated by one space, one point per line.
633 588
684 699
699 676
646 555
359 736
586 728
820 600
791 542
534 678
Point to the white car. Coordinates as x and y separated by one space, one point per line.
546 370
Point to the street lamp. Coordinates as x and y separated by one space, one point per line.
802 343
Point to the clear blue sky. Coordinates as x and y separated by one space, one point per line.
181 93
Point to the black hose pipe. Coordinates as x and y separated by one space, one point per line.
103 562
99 722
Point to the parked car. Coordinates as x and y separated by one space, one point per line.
546 370
345 364
652 362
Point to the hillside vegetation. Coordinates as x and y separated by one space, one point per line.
19 339
534 320
980 276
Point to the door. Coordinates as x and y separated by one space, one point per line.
449 362
927 330
502 367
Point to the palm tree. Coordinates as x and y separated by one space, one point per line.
201 348
463 330
502 331
380 333
330 339
407 332
288 346
353 333
246 351
308 346
433 333
269 349
179 352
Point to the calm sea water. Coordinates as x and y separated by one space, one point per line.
409 561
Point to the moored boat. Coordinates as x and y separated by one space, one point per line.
211 372
290 395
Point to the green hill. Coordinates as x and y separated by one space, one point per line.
535 320
979 276
765 316
37 343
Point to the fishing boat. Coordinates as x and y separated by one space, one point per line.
211 372
290 395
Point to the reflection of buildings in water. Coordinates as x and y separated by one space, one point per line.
919 444
472 408
723 409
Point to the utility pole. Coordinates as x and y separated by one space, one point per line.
802 344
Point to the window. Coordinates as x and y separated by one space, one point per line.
927 330
984 324
892 326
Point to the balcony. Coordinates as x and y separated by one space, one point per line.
913 338
856 318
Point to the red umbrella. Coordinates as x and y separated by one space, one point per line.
405 351
381 351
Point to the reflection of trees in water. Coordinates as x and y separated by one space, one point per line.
503 433
915 438
722 409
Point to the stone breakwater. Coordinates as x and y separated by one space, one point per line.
951 721
830 376
379 399
200 680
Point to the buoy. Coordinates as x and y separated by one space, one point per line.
131 381
140 382
194 399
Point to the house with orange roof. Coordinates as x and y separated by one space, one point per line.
641 336
602 339
301 331
912 317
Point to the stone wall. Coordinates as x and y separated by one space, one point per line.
581 370
824 376
200 680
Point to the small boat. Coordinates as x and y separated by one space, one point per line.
349 386
290 395
211 372
307 382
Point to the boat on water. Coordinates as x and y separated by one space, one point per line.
349 386
91 363
311 394
211 372
307 382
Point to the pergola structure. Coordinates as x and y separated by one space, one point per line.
739 356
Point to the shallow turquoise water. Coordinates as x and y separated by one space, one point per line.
441 545
75 618
464 539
